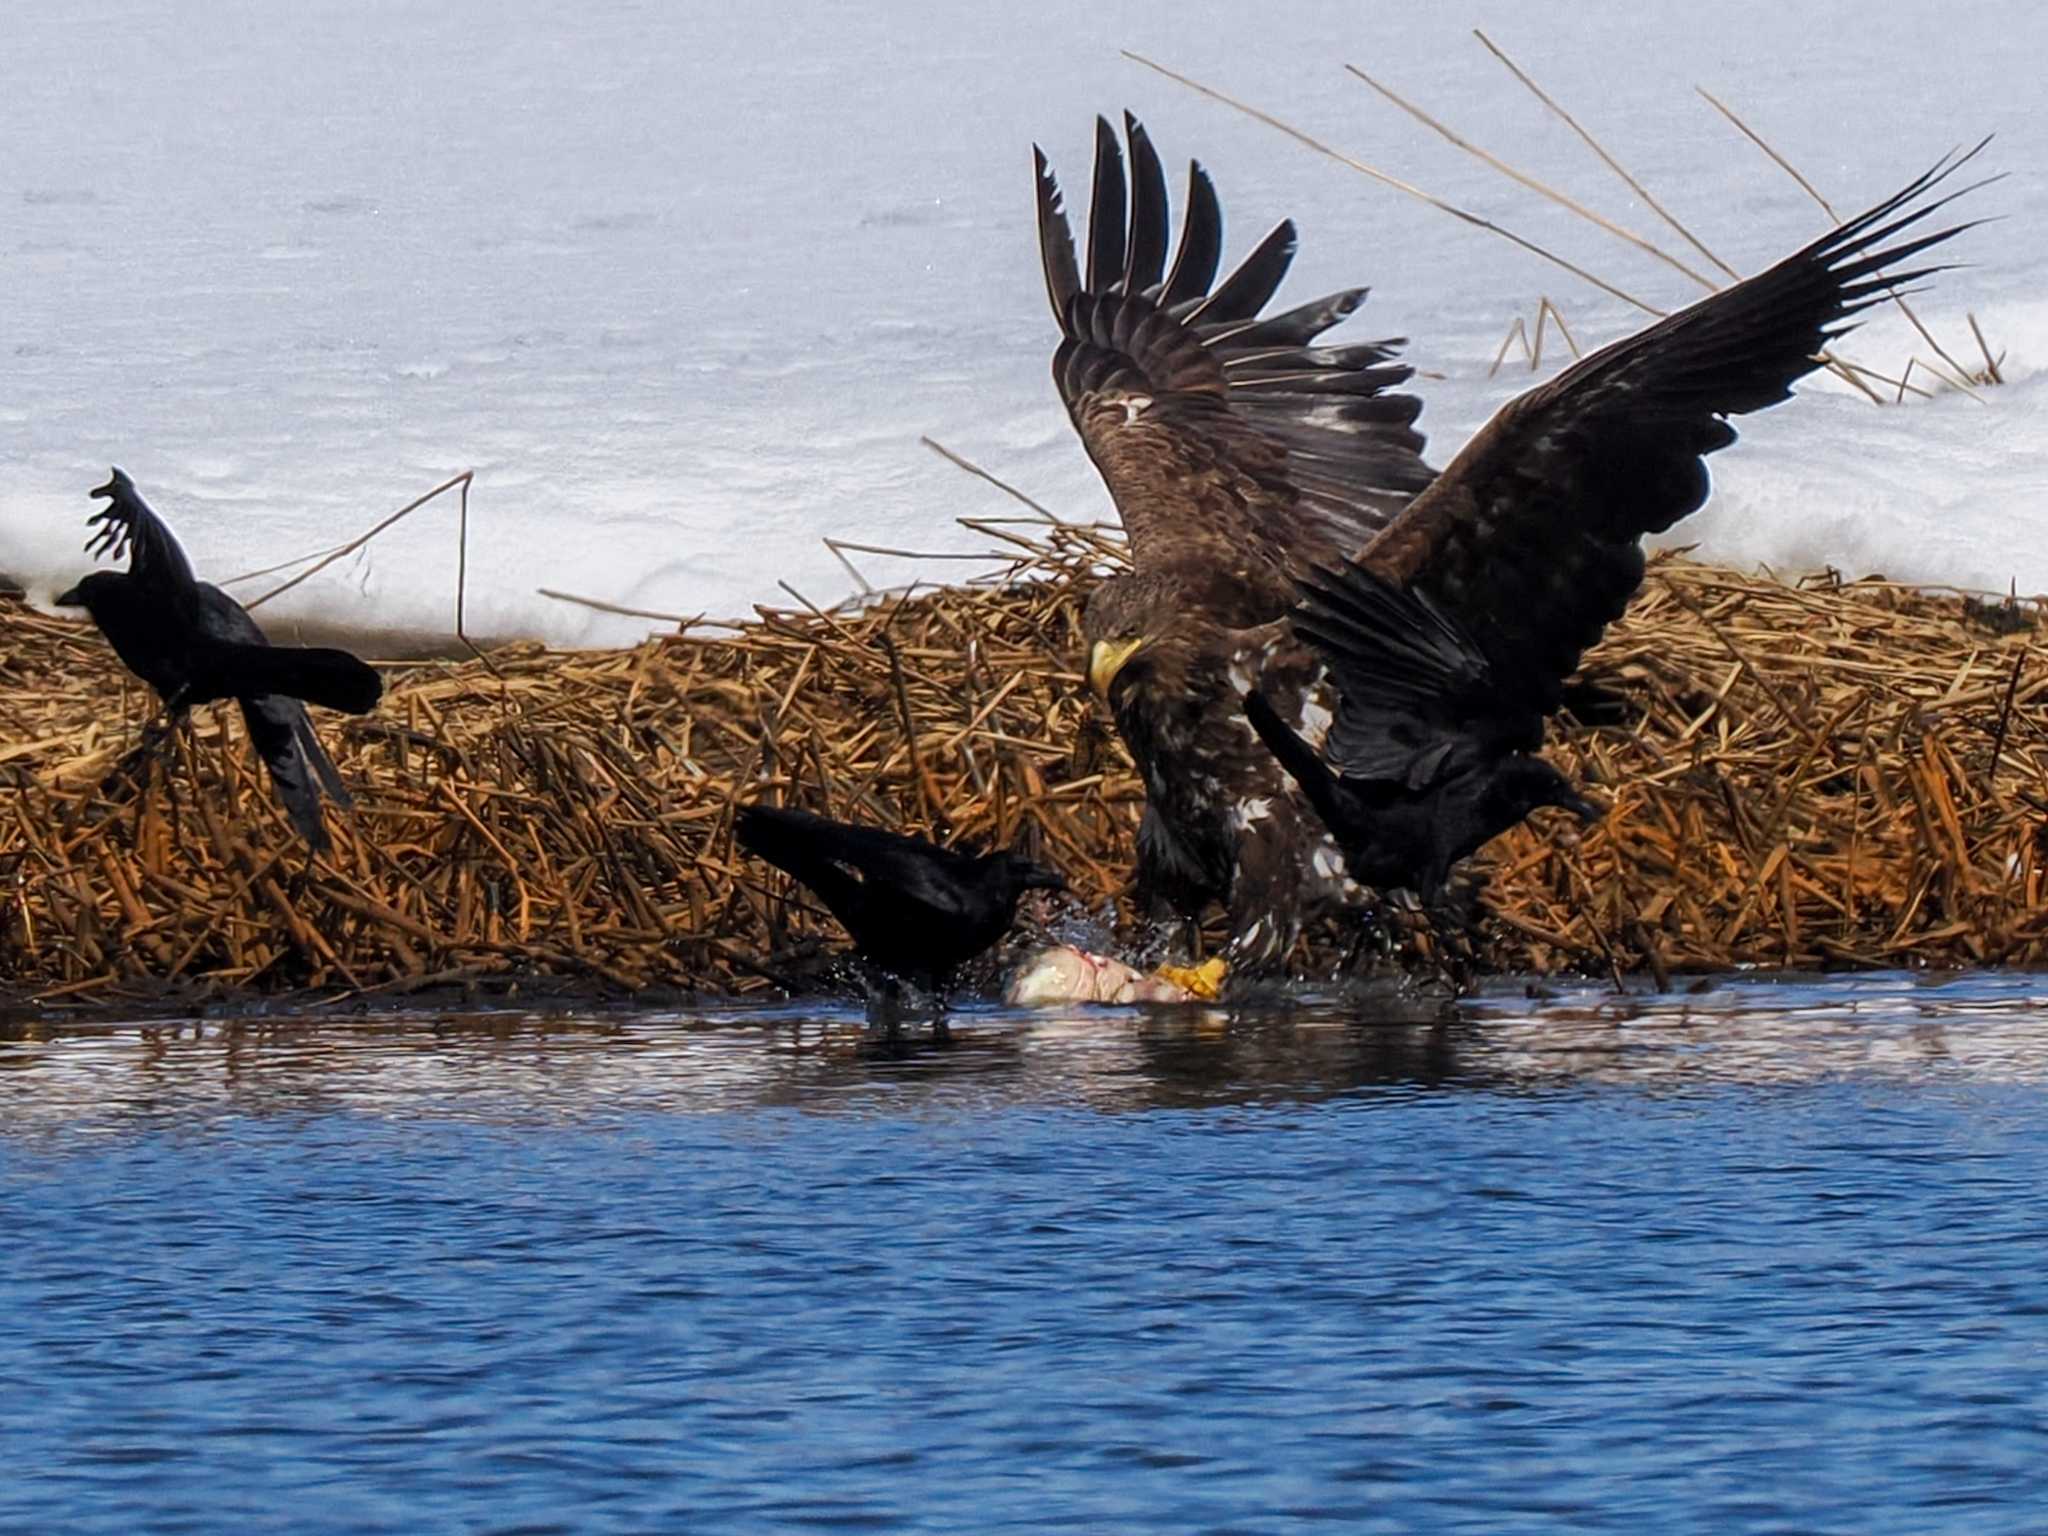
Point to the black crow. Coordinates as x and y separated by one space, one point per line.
194 644
913 909
1439 767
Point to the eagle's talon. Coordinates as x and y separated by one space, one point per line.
1204 981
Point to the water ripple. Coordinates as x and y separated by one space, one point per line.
1763 1258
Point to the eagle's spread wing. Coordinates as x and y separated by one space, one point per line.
1221 435
127 526
1529 539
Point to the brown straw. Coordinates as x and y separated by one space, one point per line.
1833 774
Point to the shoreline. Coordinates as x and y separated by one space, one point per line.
1839 775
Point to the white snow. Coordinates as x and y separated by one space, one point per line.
686 284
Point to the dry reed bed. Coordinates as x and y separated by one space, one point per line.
1820 775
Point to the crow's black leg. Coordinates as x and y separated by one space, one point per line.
885 1002
138 764
1453 921
941 1003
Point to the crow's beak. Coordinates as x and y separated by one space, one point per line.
1583 808
114 479
1106 659
74 598
1043 879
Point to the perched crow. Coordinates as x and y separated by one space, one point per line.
913 909
194 644
1448 640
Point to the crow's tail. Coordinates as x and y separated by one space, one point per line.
315 674
283 738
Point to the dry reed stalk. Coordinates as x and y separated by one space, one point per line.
1522 178
1993 373
1519 331
1606 159
1819 774
1409 188
316 563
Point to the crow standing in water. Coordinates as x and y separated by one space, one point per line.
1449 637
194 644
913 909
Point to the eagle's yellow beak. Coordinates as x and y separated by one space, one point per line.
1106 659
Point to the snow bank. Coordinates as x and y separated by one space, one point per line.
685 285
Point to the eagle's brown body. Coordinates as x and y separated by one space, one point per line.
1242 456
1405 633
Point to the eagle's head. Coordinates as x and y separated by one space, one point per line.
1125 617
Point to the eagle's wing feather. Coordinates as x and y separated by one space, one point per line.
1529 538
1240 296
1226 439
1145 261
1201 244
1106 236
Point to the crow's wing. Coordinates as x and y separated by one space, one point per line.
323 765
1414 691
127 526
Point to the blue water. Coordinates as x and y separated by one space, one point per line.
1766 1259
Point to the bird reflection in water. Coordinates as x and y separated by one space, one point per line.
528 1066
